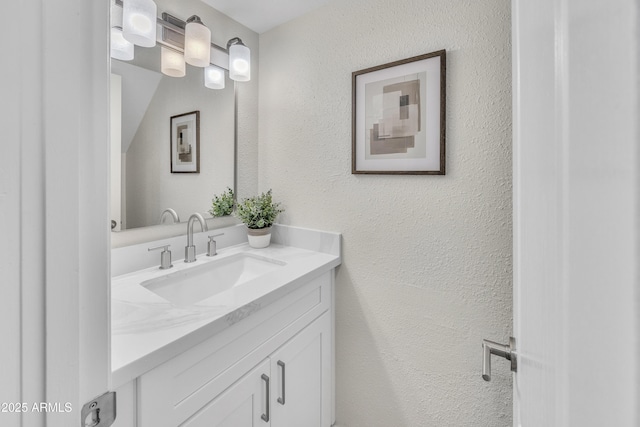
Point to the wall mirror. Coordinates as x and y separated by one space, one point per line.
143 101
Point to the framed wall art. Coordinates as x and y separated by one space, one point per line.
185 143
399 117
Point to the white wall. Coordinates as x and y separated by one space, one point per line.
427 260
151 187
139 84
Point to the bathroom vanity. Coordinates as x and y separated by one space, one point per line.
243 338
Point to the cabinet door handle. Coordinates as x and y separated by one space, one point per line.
265 417
281 399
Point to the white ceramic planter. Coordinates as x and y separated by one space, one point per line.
259 238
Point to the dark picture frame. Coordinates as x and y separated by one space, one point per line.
185 143
398 117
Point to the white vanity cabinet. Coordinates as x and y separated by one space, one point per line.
273 366
285 390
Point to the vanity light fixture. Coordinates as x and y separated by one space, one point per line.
172 62
239 60
197 43
139 22
214 77
135 22
120 48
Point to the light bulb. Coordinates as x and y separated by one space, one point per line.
139 22
240 66
214 77
172 62
197 43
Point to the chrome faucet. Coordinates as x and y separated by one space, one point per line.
174 215
190 249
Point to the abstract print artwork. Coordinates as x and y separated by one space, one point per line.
398 117
185 143
393 117
185 154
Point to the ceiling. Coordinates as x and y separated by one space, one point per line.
262 15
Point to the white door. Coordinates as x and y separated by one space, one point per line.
54 254
576 213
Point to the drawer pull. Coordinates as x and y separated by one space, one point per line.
265 417
281 399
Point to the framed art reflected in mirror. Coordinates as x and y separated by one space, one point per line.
185 143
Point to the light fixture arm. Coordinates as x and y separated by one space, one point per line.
235 40
194 18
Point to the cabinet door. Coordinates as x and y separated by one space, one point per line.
244 404
301 384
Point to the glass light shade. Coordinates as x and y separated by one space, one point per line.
239 62
214 77
172 62
139 22
120 48
197 44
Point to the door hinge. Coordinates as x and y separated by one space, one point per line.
99 412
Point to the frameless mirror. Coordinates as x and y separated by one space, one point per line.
144 182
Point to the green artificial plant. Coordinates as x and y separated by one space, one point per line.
222 205
259 211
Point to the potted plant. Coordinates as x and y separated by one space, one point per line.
259 213
223 204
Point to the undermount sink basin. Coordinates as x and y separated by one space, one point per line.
191 285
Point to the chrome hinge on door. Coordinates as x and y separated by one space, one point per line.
99 412
502 350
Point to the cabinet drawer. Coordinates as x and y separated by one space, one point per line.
174 391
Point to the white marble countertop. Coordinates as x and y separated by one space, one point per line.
147 330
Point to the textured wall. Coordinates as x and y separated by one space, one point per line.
427 259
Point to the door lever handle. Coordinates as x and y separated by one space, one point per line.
502 350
